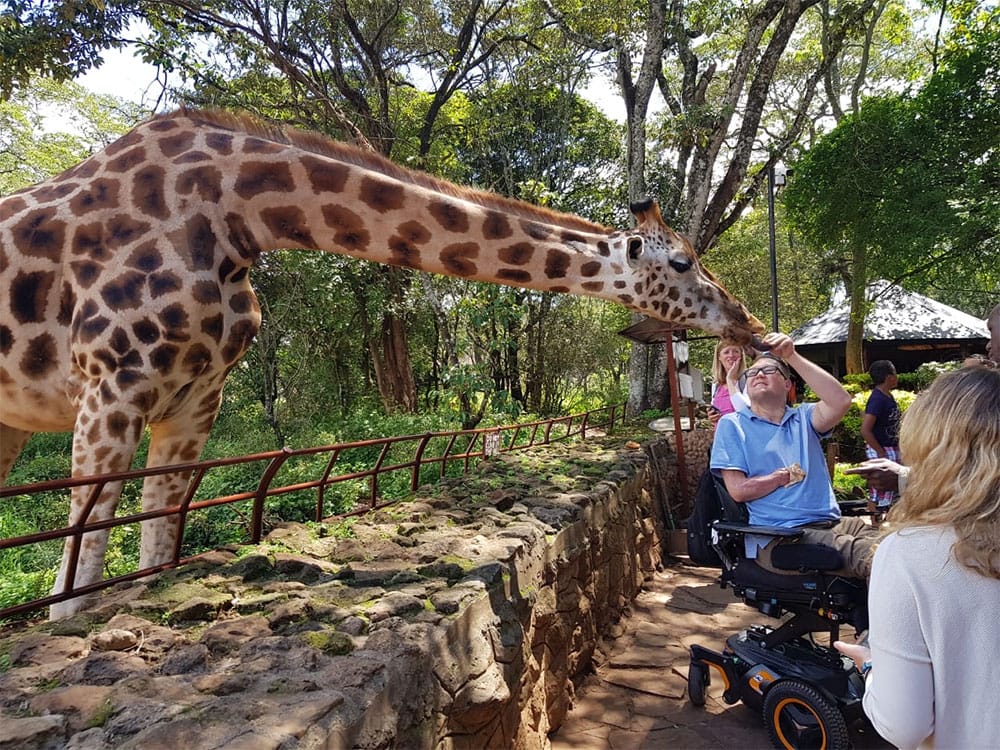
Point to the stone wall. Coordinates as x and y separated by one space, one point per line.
460 619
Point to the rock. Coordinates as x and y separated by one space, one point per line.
114 639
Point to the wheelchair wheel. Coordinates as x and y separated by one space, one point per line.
799 716
698 680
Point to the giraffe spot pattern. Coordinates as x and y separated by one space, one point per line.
6 339
125 379
213 326
381 195
146 258
240 336
201 242
146 331
534 230
556 264
593 286
11 207
148 192
403 253
221 143
84 170
163 126
288 223
88 324
123 229
119 340
40 234
127 161
39 356
88 239
325 176
241 238
206 293
449 216
164 283
591 268
197 359
242 302
29 295
124 292
349 230
130 139
176 144
413 232
162 358
192 157
457 258
145 401
568 237
86 272
253 145
56 192
604 249
100 194
260 177
513 275
204 181
174 322
518 254
118 425
496 226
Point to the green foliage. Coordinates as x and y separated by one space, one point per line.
848 486
905 188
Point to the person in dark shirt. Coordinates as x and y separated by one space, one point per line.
880 428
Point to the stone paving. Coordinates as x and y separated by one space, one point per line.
637 698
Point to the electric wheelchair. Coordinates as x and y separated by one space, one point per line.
807 692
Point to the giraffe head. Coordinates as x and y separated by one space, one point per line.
677 288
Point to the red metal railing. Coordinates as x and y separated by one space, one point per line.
476 445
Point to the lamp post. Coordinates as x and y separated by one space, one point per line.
775 179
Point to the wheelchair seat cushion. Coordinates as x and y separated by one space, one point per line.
805 557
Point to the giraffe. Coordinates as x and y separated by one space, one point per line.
126 298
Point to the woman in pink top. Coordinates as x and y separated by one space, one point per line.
728 364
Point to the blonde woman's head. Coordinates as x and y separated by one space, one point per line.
726 352
950 438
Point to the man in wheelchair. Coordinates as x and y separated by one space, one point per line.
770 459
786 549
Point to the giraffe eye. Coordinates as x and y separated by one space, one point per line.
680 265
634 248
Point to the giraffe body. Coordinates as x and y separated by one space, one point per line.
126 296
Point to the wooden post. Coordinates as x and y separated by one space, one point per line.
675 403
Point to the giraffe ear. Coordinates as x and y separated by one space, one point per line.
634 247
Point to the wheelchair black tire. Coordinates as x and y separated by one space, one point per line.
698 680
799 716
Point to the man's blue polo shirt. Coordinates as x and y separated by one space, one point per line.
748 443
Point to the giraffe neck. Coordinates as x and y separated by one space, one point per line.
290 190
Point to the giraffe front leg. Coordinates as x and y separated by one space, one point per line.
12 442
177 440
103 442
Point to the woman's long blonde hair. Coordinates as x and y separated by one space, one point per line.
950 437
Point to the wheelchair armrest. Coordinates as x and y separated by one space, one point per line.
745 528
854 507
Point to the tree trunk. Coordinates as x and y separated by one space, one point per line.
859 310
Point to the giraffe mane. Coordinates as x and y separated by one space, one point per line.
320 144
